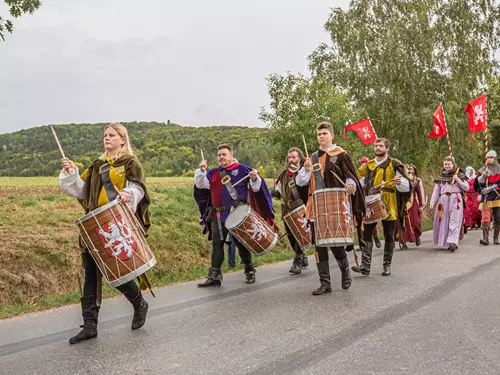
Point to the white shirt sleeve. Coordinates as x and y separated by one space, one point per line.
256 184
71 183
362 181
278 187
350 181
201 180
404 187
303 177
136 192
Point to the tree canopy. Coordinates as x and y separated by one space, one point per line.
164 150
16 9
395 61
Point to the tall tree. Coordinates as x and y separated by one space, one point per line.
399 59
297 105
16 9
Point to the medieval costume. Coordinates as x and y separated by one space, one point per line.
222 198
472 213
94 188
394 198
415 207
488 183
336 160
292 196
376 240
447 198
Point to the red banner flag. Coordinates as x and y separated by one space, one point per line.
364 129
440 127
476 110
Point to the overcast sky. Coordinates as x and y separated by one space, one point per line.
198 62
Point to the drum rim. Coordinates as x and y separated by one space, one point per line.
134 274
247 206
269 248
328 189
298 208
377 197
97 211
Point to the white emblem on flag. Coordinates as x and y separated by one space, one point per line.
478 114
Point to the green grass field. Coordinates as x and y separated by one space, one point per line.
40 259
40 263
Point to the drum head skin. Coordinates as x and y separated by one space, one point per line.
373 198
237 216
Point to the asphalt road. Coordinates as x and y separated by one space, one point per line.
439 313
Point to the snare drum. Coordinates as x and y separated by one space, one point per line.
115 239
332 218
375 209
251 230
297 223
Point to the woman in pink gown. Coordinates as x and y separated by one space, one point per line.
447 198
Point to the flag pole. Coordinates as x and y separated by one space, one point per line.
447 133
486 128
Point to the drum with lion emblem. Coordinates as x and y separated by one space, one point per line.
251 230
115 239
296 221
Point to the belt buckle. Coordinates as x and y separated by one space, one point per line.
316 167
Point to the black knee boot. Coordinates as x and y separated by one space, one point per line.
496 231
388 253
324 278
133 294
486 234
297 263
366 259
345 273
89 313
249 273
214 278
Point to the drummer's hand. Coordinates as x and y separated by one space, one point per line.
125 197
479 198
350 189
68 165
253 175
203 166
397 180
308 165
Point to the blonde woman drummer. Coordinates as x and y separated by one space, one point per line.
116 170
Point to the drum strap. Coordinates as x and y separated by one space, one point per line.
229 186
106 181
219 225
318 178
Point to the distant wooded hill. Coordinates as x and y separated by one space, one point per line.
164 150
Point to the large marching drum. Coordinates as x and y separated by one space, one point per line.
115 239
251 230
333 224
296 221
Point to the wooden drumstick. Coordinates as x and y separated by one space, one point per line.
338 178
305 145
60 148
202 157
243 179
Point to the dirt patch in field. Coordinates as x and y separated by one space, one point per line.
5 191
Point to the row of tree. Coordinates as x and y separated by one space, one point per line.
395 61
164 150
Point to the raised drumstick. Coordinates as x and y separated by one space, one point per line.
60 148
305 145
202 157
